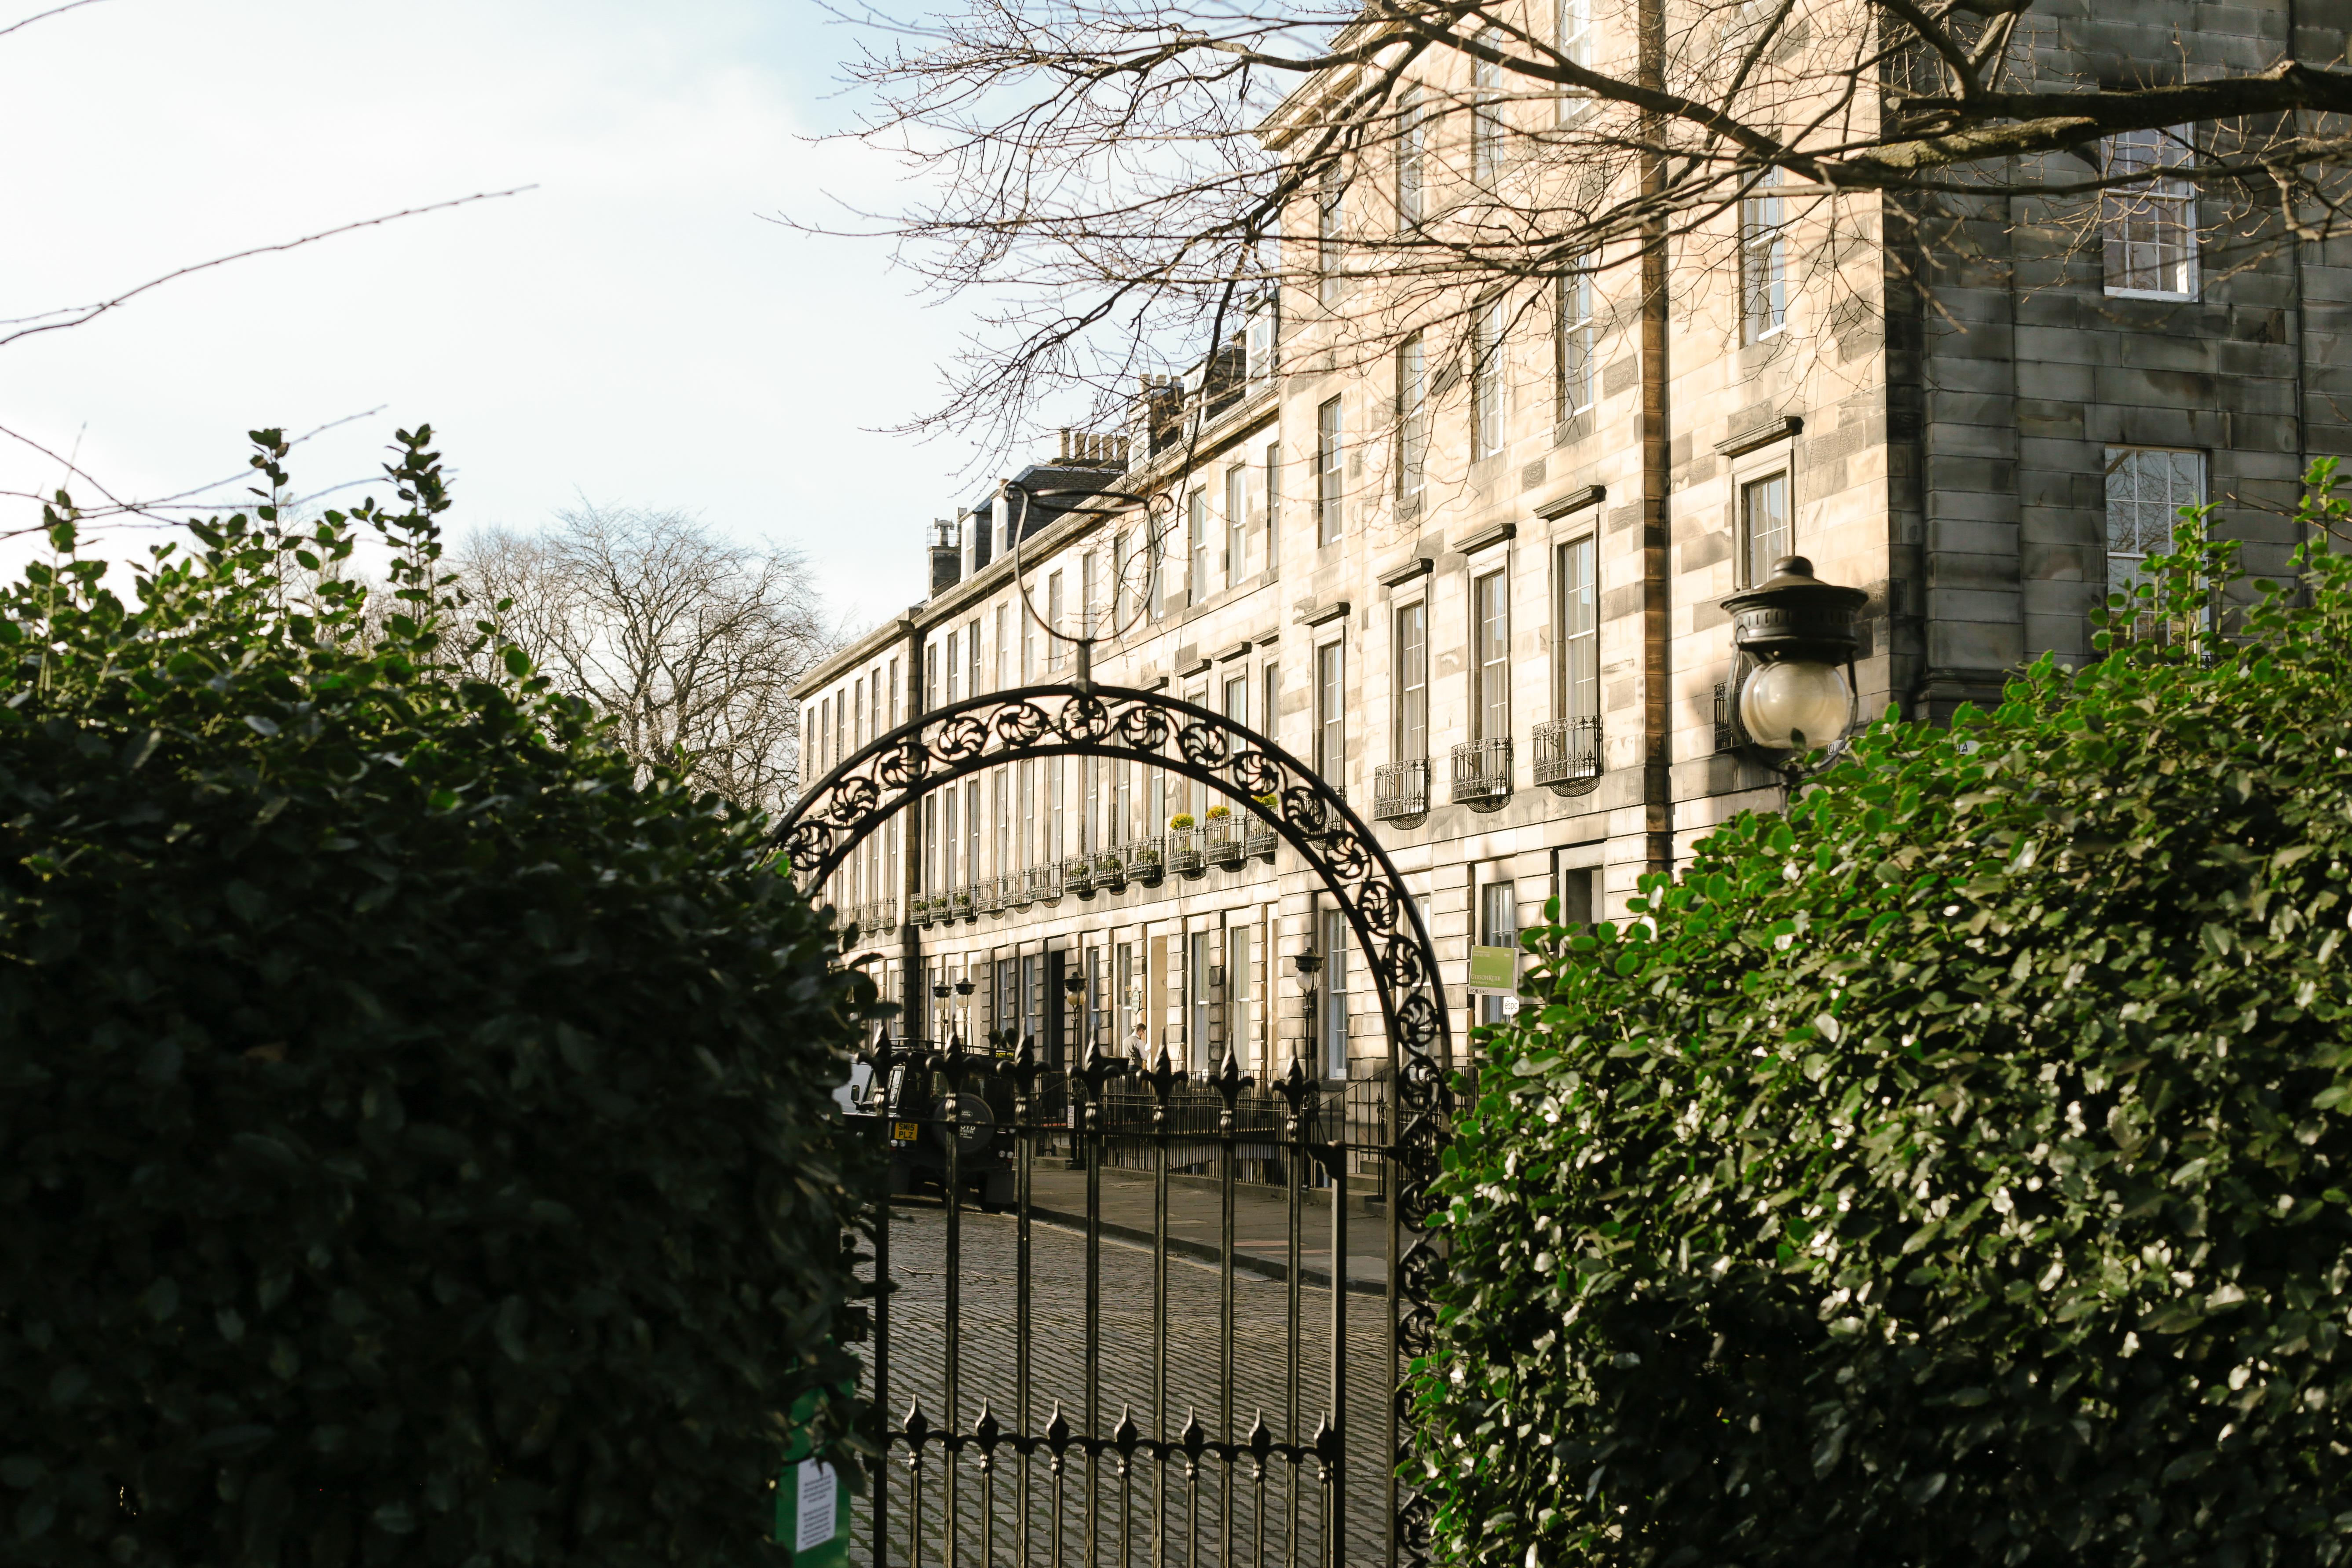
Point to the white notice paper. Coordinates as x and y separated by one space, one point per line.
814 1516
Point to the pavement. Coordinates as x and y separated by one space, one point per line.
1261 1223
1158 1363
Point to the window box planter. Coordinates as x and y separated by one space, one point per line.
1078 875
1111 872
1144 863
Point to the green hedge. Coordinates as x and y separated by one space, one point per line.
414 1128
1955 1170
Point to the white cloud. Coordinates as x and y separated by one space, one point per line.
631 330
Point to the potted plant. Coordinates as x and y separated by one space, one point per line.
1143 860
1111 872
1078 875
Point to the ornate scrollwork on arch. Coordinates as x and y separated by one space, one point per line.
894 772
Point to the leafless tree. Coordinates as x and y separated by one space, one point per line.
1120 176
690 642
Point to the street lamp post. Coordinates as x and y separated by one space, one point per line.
963 992
1075 985
1309 964
1799 631
940 1013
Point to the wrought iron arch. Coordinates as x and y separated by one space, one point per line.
959 738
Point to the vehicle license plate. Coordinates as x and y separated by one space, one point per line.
902 1131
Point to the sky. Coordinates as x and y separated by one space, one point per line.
633 331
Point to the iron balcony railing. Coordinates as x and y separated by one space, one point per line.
1401 791
1145 861
1222 838
1188 855
1482 774
1567 754
1222 843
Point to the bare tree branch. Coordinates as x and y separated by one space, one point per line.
76 315
689 643
1113 179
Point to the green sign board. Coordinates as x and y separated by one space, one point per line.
1494 971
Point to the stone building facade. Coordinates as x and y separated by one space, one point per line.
1477 581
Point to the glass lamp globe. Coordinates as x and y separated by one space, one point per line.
1796 705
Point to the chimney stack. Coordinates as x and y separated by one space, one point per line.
947 555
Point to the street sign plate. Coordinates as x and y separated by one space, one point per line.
1494 971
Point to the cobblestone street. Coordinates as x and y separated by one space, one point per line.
1216 1516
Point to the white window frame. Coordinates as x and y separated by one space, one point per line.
1413 417
2162 203
1576 379
1411 193
1486 125
1490 677
1330 712
1196 527
1410 679
1763 261
1331 474
2128 470
1576 568
1236 522
1489 433
1751 570
1572 32
1330 220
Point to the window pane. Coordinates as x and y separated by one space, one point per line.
2149 230
1763 525
1412 139
1273 505
1486 379
1236 515
1328 203
1413 682
1412 418
1332 714
1763 264
1572 347
2146 488
1337 943
1327 472
1579 632
1491 633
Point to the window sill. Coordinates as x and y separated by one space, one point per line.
2164 294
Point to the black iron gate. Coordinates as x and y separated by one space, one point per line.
1036 1411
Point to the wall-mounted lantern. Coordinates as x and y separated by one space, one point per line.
1797 632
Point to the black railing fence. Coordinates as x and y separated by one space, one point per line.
1247 1411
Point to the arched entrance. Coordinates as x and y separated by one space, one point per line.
980 1486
